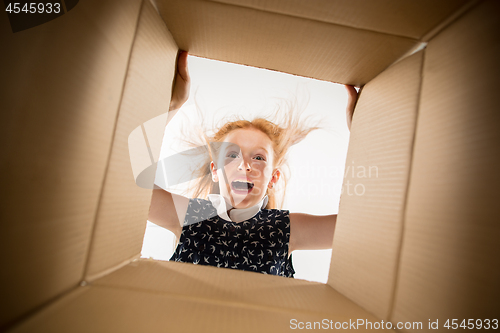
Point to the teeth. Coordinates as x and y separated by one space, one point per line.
242 184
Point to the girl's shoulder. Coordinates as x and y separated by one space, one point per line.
199 210
272 226
275 215
276 211
199 202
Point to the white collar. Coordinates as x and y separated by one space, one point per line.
236 214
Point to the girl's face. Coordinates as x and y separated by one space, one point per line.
244 168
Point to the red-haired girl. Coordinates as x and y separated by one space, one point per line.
233 221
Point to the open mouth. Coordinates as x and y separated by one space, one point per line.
242 186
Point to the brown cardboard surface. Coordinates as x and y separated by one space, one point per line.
227 285
281 42
369 227
450 263
152 296
67 112
60 91
103 309
123 209
402 18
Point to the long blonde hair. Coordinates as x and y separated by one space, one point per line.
285 129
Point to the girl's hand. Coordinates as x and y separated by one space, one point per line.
352 98
182 83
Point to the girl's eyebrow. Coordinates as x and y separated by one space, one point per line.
264 149
233 145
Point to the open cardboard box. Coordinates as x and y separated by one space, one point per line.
420 246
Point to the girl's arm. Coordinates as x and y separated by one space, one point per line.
311 232
167 209
352 98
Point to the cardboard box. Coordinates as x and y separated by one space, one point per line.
421 246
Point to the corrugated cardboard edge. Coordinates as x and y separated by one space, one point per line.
452 18
436 30
91 278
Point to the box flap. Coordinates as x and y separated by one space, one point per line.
61 87
123 209
369 227
401 18
281 42
450 263
152 296
228 285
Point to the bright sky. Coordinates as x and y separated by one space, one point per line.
316 164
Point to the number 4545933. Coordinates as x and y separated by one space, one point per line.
472 324
34 7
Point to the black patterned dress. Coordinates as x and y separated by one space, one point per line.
259 244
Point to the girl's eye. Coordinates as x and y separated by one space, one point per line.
260 158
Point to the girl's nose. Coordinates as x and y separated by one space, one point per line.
244 165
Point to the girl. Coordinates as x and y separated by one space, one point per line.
238 225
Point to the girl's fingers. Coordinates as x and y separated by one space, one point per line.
352 97
352 93
182 66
